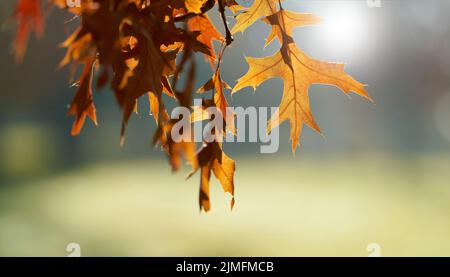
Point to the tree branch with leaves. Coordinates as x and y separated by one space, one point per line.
141 48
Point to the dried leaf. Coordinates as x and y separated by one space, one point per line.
149 48
83 104
207 33
259 8
219 100
212 158
29 17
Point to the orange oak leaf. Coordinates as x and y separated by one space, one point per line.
212 158
154 101
28 15
194 6
80 48
259 8
298 77
298 72
176 151
83 104
219 100
143 47
142 78
207 33
283 23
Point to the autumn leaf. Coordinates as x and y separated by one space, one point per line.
154 101
259 8
207 33
283 23
194 6
82 104
298 72
148 48
212 158
80 48
29 17
216 85
145 77
175 150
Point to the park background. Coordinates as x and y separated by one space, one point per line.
379 175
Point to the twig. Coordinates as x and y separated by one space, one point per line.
229 37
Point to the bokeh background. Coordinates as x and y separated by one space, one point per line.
379 175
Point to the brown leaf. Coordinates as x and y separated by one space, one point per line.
135 45
29 17
207 33
219 100
176 151
80 48
143 78
212 158
82 104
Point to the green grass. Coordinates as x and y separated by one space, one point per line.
287 207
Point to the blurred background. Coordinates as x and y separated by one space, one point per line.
379 175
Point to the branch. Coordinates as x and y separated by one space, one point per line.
229 37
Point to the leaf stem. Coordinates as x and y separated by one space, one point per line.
229 37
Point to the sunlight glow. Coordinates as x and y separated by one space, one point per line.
345 25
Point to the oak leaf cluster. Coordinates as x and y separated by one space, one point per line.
141 48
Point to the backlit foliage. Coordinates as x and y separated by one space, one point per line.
142 48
